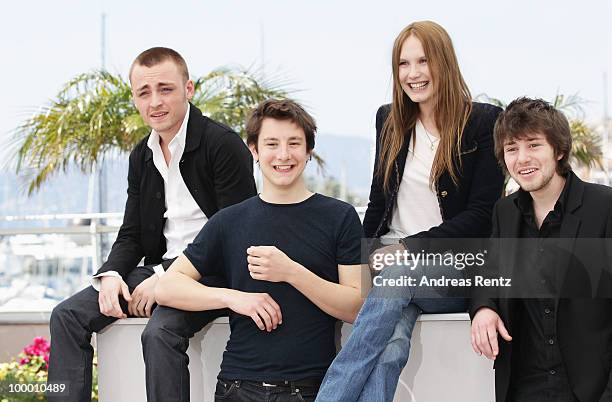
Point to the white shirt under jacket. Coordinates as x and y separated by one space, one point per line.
417 207
184 218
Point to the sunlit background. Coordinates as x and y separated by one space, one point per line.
333 56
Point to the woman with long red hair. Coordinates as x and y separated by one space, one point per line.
435 176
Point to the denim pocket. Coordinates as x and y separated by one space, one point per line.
307 395
224 389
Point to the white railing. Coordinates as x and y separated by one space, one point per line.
93 225
95 228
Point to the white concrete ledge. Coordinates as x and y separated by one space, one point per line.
440 354
25 317
225 320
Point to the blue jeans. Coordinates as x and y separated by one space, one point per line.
370 363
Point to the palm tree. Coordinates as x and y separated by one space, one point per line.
586 145
93 116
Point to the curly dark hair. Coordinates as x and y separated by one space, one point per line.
525 116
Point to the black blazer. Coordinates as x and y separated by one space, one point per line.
584 325
217 168
466 208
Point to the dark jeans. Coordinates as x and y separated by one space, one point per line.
71 325
165 340
164 345
247 391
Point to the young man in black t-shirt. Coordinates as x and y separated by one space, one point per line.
291 259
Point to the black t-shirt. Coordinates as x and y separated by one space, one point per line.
319 233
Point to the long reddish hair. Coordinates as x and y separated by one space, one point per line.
452 103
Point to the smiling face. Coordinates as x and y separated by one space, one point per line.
414 75
161 94
282 155
531 161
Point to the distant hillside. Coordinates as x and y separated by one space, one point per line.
67 193
346 157
64 193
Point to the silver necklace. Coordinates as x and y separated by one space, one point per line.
432 143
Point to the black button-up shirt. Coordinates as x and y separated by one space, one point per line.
538 372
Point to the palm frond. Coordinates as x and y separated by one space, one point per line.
571 105
87 119
227 95
586 145
93 115
483 97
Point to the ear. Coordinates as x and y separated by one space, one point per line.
560 156
189 89
254 153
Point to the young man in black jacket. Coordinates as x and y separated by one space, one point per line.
179 176
551 334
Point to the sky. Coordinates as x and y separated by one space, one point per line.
335 53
